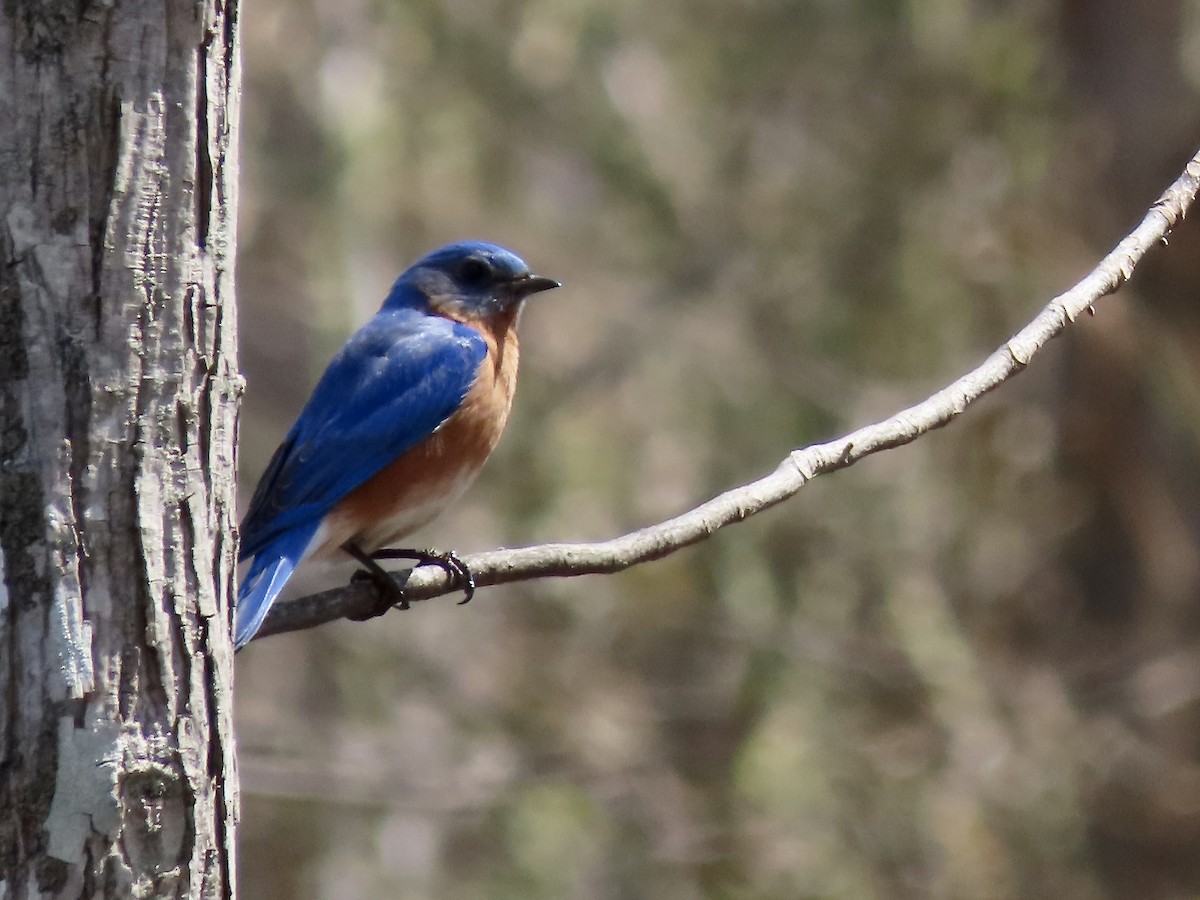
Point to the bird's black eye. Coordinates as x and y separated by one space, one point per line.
474 271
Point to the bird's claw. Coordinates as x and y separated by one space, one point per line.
450 561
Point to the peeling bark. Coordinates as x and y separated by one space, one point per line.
118 388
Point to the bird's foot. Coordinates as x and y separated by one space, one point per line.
450 561
390 595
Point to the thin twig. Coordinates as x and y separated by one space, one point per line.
800 466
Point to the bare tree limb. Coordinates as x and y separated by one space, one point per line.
800 466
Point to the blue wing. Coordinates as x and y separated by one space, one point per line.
393 383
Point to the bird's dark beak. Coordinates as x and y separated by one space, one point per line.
532 284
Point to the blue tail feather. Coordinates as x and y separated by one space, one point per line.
273 565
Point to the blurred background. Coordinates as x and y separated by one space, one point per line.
966 668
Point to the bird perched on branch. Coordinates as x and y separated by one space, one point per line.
397 428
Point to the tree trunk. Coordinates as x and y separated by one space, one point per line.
118 387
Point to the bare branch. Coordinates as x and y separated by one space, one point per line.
800 466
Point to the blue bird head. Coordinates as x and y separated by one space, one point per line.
467 281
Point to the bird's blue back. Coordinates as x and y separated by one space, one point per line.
394 382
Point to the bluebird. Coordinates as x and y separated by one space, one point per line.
398 426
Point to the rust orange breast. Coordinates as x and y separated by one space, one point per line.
420 484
